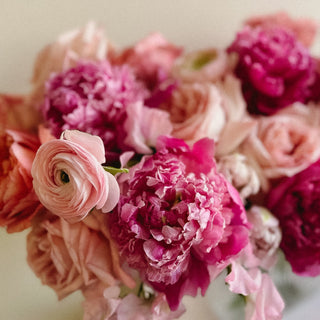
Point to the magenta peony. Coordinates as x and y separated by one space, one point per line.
178 219
296 203
92 97
276 69
69 179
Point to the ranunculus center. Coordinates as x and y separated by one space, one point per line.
64 177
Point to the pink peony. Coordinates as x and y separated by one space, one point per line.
178 218
68 257
285 143
304 29
295 202
276 69
88 42
92 97
69 179
151 58
18 201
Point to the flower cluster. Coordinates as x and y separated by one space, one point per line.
144 173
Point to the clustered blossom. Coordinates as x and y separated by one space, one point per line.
217 166
275 69
178 218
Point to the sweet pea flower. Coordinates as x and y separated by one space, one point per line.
18 201
68 177
88 42
285 143
276 70
178 219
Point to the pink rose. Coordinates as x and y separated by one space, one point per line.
18 202
86 43
196 111
304 29
284 144
201 66
69 179
68 257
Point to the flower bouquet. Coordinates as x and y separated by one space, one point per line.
144 173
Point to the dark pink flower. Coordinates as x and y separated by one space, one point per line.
178 218
296 203
276 69
92 97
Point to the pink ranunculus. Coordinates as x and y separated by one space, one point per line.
276 70
17 114
18 201
68 177
295 202
151 58
196 111
177 217
265 235
68 257
88 42
201 66
285 143
93 97
305 30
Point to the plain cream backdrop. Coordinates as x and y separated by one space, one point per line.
27 25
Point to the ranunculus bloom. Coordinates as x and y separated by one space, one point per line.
295 202
275 69
285 143
68 257
88 42
18 201
69 179
178 218
304 29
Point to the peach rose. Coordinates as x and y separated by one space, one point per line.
68 257
69 179
18 202
88 42
284 144
17 114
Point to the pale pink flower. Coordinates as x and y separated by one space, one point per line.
177 218
68 257
151 58
196 111
265 235
304 29
238 171
68 177
88 42
201 65
18 201
284 144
